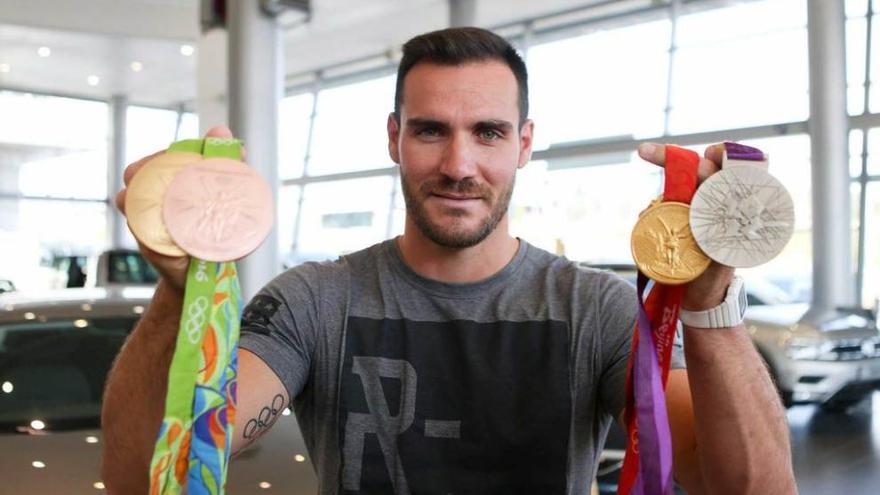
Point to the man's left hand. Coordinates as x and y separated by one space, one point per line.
707 290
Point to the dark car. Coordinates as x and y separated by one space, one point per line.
56 349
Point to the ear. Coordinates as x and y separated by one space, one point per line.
393 135
525 143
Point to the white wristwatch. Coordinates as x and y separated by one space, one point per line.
729 313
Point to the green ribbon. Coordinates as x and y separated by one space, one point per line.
195 438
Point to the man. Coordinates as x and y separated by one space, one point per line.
456 358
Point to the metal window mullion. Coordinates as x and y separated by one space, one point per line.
307 157
863 177
180 110
674 7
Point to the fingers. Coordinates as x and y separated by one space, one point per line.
219 131
715 153
653 152
708 165
120 201
132 169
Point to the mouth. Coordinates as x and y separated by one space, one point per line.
455 197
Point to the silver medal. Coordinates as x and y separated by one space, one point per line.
742 216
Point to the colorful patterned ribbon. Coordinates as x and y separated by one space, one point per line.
647 467
195 438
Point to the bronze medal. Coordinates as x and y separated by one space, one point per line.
144 197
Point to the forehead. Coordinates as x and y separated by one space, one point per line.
478 87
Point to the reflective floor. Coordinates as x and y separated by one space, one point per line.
837 453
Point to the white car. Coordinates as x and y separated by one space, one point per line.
834 363
55 352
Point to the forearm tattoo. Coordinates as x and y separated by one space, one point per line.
267 417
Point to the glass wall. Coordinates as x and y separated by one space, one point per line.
53 181
742 65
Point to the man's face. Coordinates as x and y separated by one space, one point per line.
459 146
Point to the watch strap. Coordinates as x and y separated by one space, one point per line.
729 313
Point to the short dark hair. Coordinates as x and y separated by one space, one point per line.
457 46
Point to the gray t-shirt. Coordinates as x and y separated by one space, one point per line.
407 385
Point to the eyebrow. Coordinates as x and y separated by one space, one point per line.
501 125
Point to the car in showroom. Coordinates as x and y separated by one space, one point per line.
834 363
56 349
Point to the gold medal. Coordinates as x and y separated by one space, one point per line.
663 246
143 200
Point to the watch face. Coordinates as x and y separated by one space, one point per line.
742 216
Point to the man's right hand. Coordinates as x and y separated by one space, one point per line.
171 268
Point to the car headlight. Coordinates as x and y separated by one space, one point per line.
832 350
806 349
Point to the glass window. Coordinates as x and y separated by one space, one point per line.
595 86
288 205
323 236
871 283
189 126
874 106
294 116
855 152
579 211
727 69
32 231
873 151
149 130
856 37
350 132
53 146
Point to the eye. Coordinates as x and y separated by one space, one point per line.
489 134
428 132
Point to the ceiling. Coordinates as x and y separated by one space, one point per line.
103 38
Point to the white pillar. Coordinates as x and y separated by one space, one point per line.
211 84
462 13
255 89
833 279
115 167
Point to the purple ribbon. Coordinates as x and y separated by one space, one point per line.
655 443
738 151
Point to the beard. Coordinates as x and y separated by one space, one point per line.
454 234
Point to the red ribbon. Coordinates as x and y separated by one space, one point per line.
661 306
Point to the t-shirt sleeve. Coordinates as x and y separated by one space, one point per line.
617 309
280 323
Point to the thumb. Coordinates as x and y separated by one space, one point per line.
219 131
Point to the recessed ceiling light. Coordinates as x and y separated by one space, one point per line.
29 316
44 51
99 485
93 80
299 458
38 464
265 484
37 424
91 439
5 68
138 310
7 387
137 66
80 323
187 50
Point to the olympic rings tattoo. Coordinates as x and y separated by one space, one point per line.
267 417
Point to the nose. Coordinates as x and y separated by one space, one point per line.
459 160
